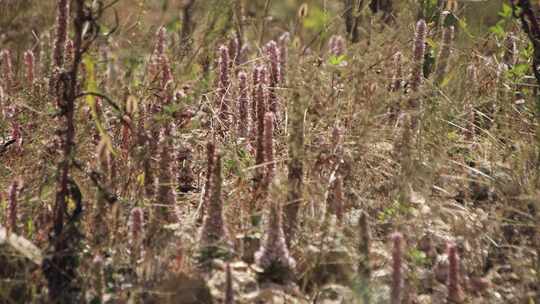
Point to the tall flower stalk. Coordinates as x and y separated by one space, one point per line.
257 97
283 43
59 49
60 266
275 73
336 45
259 101
273 256
222 100
184 175
419 49
8 75
11 214
160 67
136 233
100 233
43 57
59 46
234 51
397 76
229 291
364 267
397 268
295 166
210 158
455 294
164 193
472 78
29 62
243 104
444 54
269 149
70 52
214 239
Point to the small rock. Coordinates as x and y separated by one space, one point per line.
478 285
440 269
335 294
424 299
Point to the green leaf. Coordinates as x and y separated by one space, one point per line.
519 70
91 86
174 25
506 11
463 26
30 226
452 136
418 257
430 10
429 62
336 60
451 20
316 20
498 29
231 165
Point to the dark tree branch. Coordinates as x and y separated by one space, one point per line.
60 267
105 97
4 146
522 10
352 18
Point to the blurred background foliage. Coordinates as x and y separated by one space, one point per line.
19 18
24 23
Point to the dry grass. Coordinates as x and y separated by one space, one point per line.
435 184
